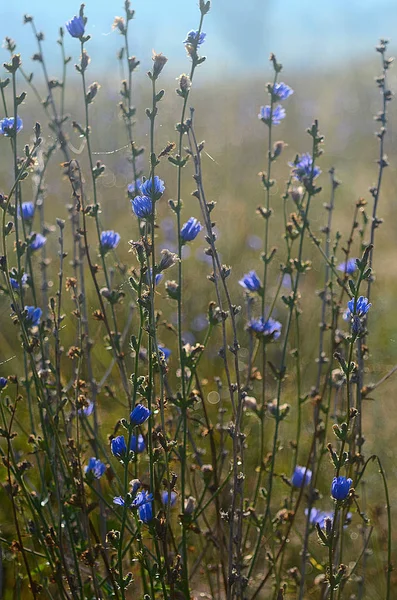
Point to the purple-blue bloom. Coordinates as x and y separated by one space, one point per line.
362 307
96 467
142 206
87 410
137 445
154 192
270 328
166 351
164 498
33 316
143 502
15 284
134 187
250 282
118 446
190 230
299 478
303 168
135 485
317 517
7 126
340 487
348 267
37 241
27 211
277 115
282 91
119 500
157 279
193 37
139 415
3 382
109 240
75 27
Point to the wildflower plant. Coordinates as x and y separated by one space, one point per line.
140 459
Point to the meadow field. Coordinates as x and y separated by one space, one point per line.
171 422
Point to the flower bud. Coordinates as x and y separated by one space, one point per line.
184 83
190 505
250 402
168 259
119 24
278 148
159 61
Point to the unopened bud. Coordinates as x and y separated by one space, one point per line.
159 61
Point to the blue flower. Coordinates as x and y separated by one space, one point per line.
137 446
142 206
118 446
340 487
348 267
303 167
96 467
282 91
15 284
135 485
190 230
277 115
87 410
27 211
3 382
155 192
317 517
143 502
251 282
299 479
165 351
75 27
119 500
362 307
133 188
193 37
270 328
157 279
37 241
7 126
164 498
33 316
139 415
109 240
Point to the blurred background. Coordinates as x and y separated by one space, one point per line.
327 50
305 34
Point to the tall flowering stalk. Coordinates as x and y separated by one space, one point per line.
95 172
305 171
381 117
236 581
122 25
192 44
321 360
271 115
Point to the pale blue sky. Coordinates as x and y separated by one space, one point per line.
240 33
